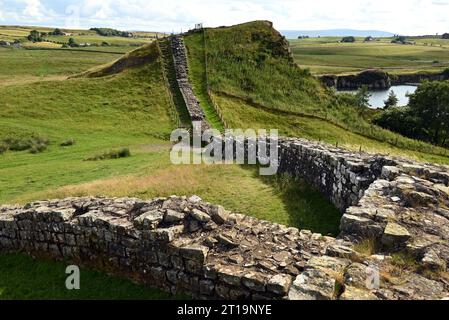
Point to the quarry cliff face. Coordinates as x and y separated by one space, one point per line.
182 244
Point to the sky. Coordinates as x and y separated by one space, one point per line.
407 17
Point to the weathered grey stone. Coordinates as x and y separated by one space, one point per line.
195 199
225 241
219 214
194 252
432 261
417 287
200 215
341 251
148 220
207 287
255 281
313 284
279 284
356 275
390 172
230 275
353 293
172 216
395 235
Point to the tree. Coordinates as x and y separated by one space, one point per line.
430 103
35 36
392 100
57 32
400 40
445 36
362 99
348 39
72 43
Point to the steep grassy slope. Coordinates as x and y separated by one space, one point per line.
252 60
252 63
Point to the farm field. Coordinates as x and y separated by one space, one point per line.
11 33
328 56
21 65
48 60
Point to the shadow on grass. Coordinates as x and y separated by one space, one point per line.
24 278
307 207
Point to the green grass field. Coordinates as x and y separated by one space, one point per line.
327 55
24 278
19 65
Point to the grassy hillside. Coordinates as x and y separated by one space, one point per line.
127 104
327 55
251 64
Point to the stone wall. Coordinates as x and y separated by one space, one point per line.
341 175
183 244
176 244
181 68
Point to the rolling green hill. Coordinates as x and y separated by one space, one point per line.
256 84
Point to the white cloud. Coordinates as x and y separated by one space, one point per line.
399 16
34 9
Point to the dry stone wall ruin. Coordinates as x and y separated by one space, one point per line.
186 245
182 68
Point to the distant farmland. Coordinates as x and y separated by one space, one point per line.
328 55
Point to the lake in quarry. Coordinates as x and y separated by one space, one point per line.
379 96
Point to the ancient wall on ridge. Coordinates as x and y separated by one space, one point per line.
181 68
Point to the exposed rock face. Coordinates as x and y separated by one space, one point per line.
181 67
185 244
373 79
416 78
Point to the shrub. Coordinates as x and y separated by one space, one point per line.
114 154
108 32
68 142
35 143
38 148
348 39
400 120
3 147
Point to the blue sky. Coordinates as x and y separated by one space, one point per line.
397 16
